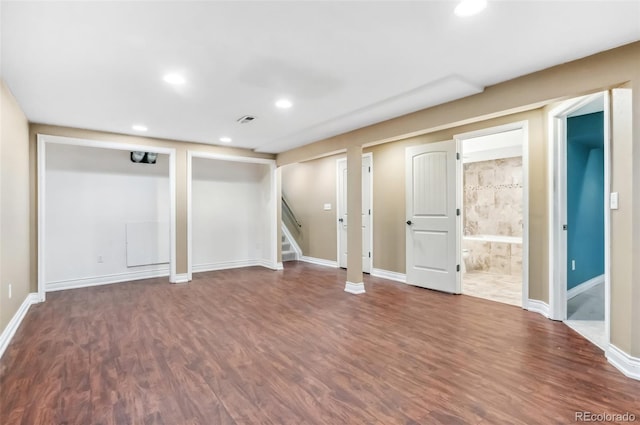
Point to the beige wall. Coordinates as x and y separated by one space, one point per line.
181 178
14 198
595 73
621 223
389 197
307 186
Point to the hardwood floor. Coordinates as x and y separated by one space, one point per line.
254 346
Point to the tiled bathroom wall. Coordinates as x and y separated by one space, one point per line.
493 197
494 257
493 206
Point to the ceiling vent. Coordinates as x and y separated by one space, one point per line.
246 119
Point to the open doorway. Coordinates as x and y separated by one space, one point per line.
494 214
367 213
580 215
107 221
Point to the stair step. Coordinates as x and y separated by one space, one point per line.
288 255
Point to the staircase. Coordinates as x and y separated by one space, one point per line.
289 223
288 254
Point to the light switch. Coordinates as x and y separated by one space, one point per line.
327 207
613 201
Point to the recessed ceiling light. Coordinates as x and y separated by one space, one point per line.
225 139
175 79
284 104
139 127
470 7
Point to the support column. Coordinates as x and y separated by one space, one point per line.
355 283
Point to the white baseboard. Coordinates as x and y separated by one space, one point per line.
14 323
538 306
180 278
106 279
319 261
386 274
628 365
354 288
585 286
270 265
225 265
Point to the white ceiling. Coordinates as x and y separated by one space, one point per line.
99 65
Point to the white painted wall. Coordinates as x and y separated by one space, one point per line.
230 210
91 195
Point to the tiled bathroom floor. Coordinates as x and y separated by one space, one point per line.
495 287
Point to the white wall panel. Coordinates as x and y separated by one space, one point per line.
91 195
230 210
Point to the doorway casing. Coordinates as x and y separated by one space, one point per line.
273 230
43 140
557 194
524 126
340 207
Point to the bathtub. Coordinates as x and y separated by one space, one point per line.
494 238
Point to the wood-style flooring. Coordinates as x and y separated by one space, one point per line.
254 346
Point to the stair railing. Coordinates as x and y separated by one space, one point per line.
288 213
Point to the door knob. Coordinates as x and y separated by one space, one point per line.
409 222
341 220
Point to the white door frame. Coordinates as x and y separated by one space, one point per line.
519 125
557 195
273 219
43 141
339 206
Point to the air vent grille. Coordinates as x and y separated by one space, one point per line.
246 119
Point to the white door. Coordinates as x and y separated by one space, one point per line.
366 213
432 221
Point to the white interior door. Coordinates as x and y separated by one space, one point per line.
366 213
432 221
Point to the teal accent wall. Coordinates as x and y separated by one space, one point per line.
585 197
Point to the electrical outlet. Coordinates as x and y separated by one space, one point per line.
10 295
573 264
100 260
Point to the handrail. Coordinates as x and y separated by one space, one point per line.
289 212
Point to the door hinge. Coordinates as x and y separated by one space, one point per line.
564 227
457 155
457 211
458 268
369 169
369 254
369 211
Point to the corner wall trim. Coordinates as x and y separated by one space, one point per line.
179 278
537 306
319 261
628 365
106 279
354 288
16 320
386 274
585 286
